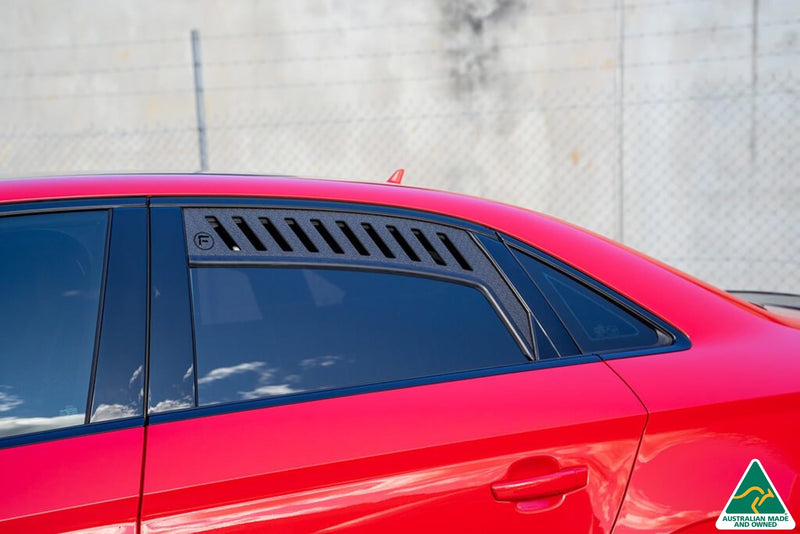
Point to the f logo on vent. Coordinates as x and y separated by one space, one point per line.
203 241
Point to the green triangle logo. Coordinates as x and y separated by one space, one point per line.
755 504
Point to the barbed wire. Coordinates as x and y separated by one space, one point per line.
379 55
95 133
511 111
415 53
134 69
511 73
498 47
159 41
394 80
99 94
405 25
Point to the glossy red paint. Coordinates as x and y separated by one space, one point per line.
427 457
86 483
712 410
417 458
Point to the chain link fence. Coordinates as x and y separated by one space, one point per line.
680 139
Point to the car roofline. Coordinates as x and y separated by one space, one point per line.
564 241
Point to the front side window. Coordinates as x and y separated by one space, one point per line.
270 331
51 271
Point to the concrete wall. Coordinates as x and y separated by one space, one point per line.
669 124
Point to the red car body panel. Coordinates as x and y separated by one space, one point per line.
425 457
87 483
420 457
712 410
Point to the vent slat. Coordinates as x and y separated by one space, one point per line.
435 256
275 234
376 238
249 234
301 234
402 242
453 250
223 234
326 235
351 236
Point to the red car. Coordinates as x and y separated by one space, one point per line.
231 354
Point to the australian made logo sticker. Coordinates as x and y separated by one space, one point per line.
755 505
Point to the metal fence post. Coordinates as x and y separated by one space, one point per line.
199 101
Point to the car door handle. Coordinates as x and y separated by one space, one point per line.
539 487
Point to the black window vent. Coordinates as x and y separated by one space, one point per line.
286 234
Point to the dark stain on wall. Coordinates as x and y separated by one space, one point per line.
472 29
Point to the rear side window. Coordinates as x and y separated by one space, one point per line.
596 323
51 271
270 331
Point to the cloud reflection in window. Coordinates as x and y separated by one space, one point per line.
12 426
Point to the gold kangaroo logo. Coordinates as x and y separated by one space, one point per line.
759 500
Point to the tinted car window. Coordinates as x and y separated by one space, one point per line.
596 322
268 331
51 270
119 371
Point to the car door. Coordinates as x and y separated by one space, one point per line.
72 323
340 368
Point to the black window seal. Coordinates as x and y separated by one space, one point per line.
29 207
99 324
77 431
188 268
148 303
680 341
297 398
